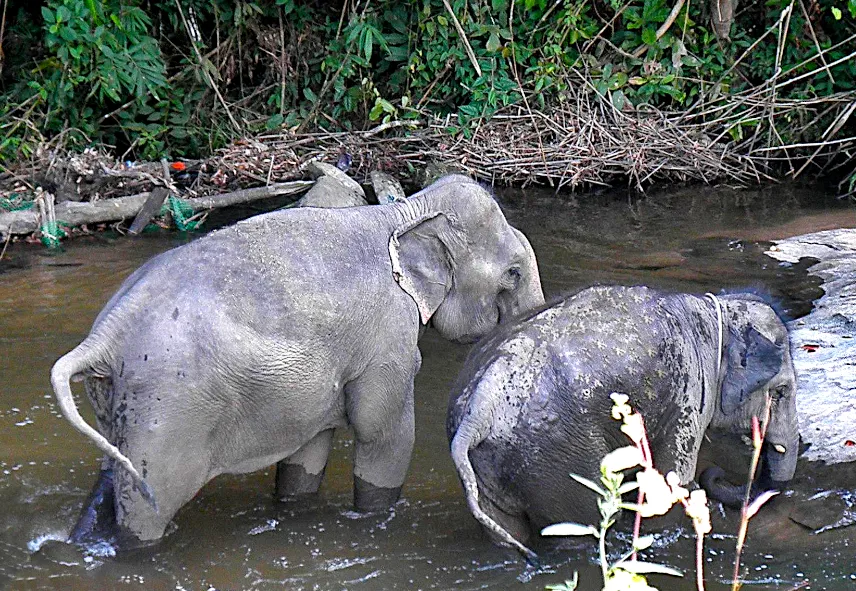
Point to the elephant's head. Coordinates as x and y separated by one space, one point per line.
465 267
756 361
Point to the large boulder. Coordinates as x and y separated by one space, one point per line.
824 345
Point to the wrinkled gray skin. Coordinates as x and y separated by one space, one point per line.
532 404
252 344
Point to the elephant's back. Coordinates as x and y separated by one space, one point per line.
266 271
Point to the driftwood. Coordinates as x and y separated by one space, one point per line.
149 210
71 213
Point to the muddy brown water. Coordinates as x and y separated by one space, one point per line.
233 536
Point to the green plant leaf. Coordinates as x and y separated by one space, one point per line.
589 484
493 43
367 45
646 568
569 529
643 542
649 36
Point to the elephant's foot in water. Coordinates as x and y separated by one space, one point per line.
293 481
369 498
301 473
97 521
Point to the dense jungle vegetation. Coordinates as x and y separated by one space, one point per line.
184 77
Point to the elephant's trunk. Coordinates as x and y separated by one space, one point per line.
778 467
780 463
714 483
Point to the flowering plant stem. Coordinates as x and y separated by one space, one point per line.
758 435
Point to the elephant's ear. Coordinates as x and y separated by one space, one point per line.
753 360
421 262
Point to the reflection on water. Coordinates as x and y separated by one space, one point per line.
233 536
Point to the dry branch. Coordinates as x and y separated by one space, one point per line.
71 213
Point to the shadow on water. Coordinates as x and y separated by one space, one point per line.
233 536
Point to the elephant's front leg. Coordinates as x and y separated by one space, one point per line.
302 472
380 408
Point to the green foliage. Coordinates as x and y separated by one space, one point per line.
125 72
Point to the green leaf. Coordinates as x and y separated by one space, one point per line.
649 36
645 568
367 45
643 542
68 34
618 99
376 111
617 81
274 122
569 529
309 95
633 484
493 43
589 484
836 12
48 15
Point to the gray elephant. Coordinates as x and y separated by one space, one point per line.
532 404
253 343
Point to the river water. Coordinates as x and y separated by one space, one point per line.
233 536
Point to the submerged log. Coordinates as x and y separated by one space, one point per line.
109 210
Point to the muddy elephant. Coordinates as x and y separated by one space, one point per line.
252 344
532 404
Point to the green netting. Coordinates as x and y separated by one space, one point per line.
181 213
51 234
15 202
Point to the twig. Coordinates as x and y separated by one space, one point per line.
520 85
205 70
3 36
6 244
281 63
467 47
790 81
816 43
434 82
676 9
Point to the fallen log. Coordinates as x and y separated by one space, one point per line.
70 213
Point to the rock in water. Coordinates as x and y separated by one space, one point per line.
386 188
332 189
823 345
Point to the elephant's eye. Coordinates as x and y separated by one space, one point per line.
778 393
510 279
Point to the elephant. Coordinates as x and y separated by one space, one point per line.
253 343
532 404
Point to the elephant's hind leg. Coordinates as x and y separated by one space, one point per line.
302 472
380 408
97 521
175 464
515 524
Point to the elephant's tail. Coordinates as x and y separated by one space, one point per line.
467 436
81 358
